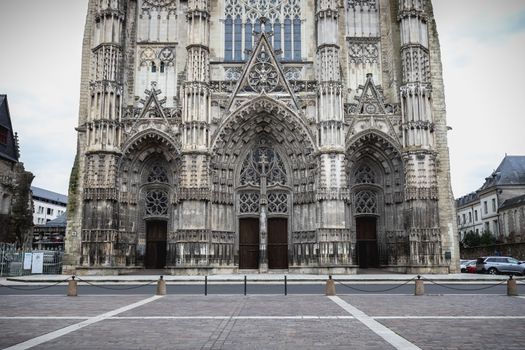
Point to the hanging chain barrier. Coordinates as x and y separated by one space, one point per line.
375 291
114 288
28 288
464 289
425 279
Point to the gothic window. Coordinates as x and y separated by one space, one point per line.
153 67
364 175
277 203
365 202
263 161
249 203
244 16
228 39
162 65
158 174
157 203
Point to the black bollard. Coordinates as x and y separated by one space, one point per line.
244 284
205 285
285 286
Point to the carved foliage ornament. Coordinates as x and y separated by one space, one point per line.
158 3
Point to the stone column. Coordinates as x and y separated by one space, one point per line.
195 191
422 221
332 234
99 134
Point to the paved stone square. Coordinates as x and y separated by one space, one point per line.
262 322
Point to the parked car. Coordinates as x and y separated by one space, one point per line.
471 266
463 264
499 264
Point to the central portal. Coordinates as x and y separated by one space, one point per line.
156 232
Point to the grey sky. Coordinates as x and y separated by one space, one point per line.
483 51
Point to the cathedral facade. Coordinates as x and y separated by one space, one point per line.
263 135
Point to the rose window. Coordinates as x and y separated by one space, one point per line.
263 76
156 203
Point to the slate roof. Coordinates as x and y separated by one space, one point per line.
8 151
513 202
48 195
511 171
466 199
59 221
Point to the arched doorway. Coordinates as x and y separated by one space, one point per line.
263 208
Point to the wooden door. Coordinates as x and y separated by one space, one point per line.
156 232
249 243
367 242
277 243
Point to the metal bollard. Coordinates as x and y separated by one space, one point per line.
72 287
244 284
161 286
205 285
420 286
285 285
330 286
512 288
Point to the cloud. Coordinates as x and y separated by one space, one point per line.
40 73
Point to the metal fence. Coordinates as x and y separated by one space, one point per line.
12 261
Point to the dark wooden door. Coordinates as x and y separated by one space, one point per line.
277 243
156 232
249 243
367 242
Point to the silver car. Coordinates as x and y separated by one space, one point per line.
499 264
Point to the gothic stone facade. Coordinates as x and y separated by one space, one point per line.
304 135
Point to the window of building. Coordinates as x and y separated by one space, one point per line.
485 207
153 67
40 209
4 133
495 227
464 220
49 211
469 216
494 204
162 67
243 18
475 215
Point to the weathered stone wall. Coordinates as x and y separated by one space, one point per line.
515 250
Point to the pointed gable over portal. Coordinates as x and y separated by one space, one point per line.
371 100
262 74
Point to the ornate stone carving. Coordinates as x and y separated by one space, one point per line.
156 203
263 76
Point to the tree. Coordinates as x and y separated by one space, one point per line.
487 238
471 239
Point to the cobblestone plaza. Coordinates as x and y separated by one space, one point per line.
361 321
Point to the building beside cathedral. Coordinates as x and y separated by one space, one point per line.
298 135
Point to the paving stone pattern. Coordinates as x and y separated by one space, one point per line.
236 332
442 305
